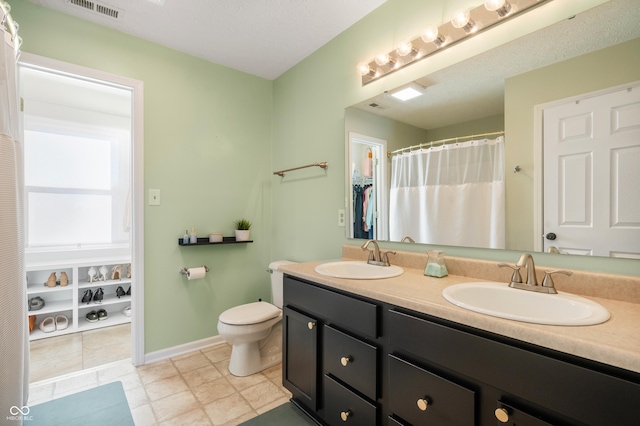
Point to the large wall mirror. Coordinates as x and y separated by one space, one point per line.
502 90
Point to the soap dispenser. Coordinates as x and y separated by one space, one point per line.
435 264
185 237
194 237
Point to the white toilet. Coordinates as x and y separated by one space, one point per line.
255 330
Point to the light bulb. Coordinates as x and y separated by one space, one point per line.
432 35
382 59
365 69
501 7
463 20
404 49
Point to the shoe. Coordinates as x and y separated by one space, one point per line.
36 303
127 311
102 314
92 273
129 291
64 279
92 316
103 271
87 296
98 296
120 292
51 282
129 271
116 272
62 322
48 325
32 322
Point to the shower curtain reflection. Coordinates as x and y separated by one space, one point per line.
450 194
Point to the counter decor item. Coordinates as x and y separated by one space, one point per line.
435 264
194 237
216 237
185 237
243 230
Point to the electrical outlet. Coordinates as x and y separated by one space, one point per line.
341 217
154 197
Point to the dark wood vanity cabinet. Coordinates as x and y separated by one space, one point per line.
365 362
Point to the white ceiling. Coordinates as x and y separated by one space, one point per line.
260 37
474 88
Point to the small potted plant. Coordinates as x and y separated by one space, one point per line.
243 229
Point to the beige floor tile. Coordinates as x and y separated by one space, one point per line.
130 381
192 362
223 367
212 391
165 387
174 405
245 382
136 397
274 372
115 370
201 375
278 402
158 372
226 409
72 384
262 394
143 416
47 368
218 353
195 418
94 357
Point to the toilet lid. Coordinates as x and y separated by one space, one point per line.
251 313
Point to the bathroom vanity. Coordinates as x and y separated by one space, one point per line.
393 352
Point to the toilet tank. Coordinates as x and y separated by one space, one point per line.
276 281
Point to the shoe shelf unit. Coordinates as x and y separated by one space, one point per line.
66 300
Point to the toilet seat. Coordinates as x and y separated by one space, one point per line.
250 313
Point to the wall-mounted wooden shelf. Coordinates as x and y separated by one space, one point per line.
205 242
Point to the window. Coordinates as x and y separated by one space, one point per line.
77 138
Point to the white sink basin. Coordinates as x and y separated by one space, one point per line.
357 270
499 300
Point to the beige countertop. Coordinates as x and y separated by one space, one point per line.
615 342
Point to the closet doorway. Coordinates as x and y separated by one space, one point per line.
82 135
368 195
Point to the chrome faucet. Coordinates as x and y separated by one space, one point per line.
526 261
407 238
377 257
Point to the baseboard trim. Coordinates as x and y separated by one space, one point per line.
196 345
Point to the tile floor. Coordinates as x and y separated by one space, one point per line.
191 389
71 353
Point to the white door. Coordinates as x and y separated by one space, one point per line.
592 175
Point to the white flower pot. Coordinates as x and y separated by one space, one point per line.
242 235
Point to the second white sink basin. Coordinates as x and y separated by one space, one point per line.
357 270
499 300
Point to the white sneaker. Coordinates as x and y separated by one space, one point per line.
127 311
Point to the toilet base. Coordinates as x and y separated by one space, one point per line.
253 357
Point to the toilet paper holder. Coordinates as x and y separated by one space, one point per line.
184 270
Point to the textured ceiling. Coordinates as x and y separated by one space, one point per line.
474 88
260 37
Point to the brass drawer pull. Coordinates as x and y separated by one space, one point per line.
311 324
423 403
502 415
345 415
346 360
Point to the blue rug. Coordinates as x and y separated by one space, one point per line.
105 405
286 414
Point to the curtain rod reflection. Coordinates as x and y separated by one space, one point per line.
444 142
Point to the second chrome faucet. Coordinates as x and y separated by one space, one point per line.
376 256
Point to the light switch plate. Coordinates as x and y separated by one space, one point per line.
154 197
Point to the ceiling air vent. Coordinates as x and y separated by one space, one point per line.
376 105
97 8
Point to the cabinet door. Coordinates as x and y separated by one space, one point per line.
300 357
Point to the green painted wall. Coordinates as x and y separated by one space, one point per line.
207 148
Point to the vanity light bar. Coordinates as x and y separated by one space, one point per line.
467 23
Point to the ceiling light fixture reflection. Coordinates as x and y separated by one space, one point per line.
408 92
463 20
501 7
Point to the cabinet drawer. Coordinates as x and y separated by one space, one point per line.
350 313
420 397
509 416
351 360
343 407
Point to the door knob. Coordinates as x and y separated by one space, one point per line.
311 324
550 236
